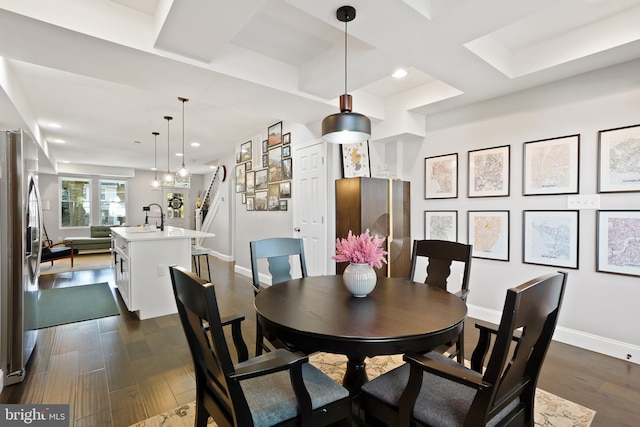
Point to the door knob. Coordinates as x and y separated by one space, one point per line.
297 229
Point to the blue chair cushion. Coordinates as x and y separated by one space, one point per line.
441 402
271 397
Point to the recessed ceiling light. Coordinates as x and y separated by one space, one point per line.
399 73
195 144
179 154
59 141
54 125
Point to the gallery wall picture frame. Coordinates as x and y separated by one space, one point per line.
284 205
441 225
265 146
441 177
274 135
241 178
618 159
285 190
274 197
250 182
260 201
245 151
551 166
250 203
261 179
355 160
488 232
244 198
286 151
286 138
489 171
551 238
275 164
617 242
287 171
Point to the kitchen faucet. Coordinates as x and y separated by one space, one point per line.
146 218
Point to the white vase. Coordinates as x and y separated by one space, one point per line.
360 279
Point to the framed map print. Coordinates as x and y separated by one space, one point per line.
441 177
489 172
551 238
619 159
618 242
489 234
355 160
551 166
441 225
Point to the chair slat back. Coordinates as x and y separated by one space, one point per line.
200 318
441 254
277 252
513 369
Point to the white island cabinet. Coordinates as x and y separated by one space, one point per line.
142 260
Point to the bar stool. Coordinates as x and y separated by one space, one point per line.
196 253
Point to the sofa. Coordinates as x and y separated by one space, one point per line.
99 239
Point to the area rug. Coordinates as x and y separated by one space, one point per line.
89 261
59 306
550 410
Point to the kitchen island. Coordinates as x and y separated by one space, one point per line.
142 259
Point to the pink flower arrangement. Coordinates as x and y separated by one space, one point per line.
362 249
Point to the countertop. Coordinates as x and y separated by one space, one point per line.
142 233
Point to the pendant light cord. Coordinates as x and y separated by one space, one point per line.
345 56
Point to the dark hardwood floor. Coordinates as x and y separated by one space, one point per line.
119 370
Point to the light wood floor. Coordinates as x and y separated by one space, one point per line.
119 370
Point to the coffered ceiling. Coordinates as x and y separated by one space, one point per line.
107 71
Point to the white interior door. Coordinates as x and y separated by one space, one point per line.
310 209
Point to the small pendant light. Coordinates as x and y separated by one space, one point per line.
182 173
346 127
168 180
155 184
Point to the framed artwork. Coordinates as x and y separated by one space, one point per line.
551 166
618 242
250 203
441 225
260 201
551 238
244 198
245 151
240 178
287 172
489 234
265 160
285 190
274 135
238 157
274 197
248 165
265 146
286 138
489 172
284 205
286 151
355 160
250 182
261 179
618 159
441 177
275 164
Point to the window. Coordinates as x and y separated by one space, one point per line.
113 197
75 202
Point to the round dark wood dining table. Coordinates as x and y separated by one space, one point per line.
319 314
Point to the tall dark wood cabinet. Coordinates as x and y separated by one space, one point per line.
382 206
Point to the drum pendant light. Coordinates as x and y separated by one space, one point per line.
182 173
346 127
168 180
155 184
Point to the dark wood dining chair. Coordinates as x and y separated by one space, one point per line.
280 388
440 255
433 390
278 252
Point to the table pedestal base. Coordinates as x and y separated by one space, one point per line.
355 375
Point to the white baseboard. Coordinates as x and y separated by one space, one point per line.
602 345
264 279
223 257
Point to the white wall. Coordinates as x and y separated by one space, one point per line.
600 310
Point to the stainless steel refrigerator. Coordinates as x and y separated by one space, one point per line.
20 248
